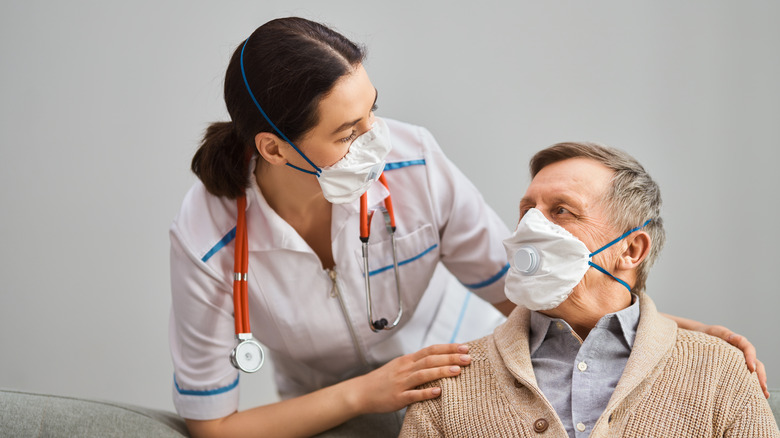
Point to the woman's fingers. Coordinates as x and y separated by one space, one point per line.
441 360
736 340
747 348
741 342
431 363
416 395
761 371
430 374
439 349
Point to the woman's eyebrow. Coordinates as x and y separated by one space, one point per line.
346 125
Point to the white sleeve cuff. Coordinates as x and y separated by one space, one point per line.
206 404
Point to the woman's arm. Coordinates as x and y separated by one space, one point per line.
386 389
739 341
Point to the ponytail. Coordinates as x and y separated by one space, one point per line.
220 161
290 63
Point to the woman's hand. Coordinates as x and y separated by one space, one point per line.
741 342
394 385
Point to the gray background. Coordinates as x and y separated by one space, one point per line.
102 105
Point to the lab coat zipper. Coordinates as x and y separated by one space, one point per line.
336 292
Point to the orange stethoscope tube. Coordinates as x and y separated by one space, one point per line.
365 232
241 267
248 355
365 217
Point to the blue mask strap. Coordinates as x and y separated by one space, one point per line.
623 236
267 119
600 269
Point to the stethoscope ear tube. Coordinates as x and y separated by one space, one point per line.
248 355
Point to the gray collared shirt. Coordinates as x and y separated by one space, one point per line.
578 377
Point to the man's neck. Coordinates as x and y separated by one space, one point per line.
583 310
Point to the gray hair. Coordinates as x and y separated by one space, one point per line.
633 196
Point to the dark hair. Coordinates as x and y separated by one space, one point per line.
633 196
290 64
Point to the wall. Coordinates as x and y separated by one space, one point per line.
103 103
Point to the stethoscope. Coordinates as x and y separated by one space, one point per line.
248 355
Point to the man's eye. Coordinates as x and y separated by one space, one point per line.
374 108
561 210
523 211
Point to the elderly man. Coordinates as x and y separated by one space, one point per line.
586 353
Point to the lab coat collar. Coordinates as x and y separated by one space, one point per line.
377 192
268 231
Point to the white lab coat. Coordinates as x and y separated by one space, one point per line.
315 335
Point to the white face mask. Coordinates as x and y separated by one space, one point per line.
546 262
351 176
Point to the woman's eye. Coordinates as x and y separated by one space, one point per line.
561 210
374 108
351 137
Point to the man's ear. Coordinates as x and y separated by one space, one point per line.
638 248
270 148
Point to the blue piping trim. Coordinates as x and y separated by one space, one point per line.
225 240
377 271
402 164
490 280
460 317
206 392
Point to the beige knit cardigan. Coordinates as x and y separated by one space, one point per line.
677 383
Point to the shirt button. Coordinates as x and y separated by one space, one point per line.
559 325
518 384
540 425
581 427
582 366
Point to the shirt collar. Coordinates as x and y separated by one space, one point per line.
627 322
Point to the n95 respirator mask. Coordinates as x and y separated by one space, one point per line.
351 176
546 262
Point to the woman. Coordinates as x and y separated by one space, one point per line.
302 146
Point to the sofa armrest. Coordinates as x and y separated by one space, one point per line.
25 414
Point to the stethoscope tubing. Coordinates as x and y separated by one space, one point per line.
365 232
240 294
248 355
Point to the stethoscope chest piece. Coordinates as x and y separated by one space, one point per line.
248 355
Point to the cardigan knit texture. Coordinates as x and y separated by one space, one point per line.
677 383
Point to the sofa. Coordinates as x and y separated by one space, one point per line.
24 414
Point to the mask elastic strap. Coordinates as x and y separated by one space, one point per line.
267 119
600 269
622 236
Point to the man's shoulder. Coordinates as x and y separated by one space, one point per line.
688 339
479 350
699 355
